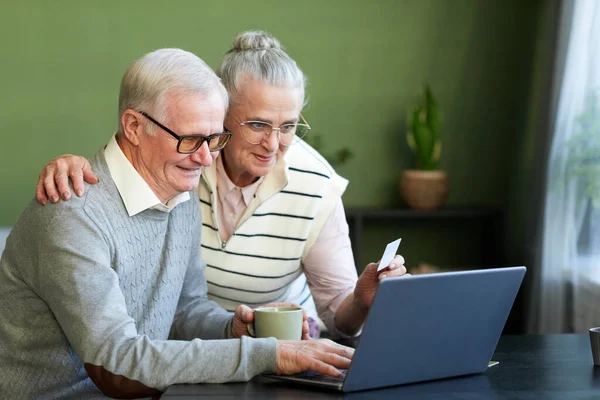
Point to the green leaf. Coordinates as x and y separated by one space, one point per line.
423 131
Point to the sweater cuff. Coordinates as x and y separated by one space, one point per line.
263 356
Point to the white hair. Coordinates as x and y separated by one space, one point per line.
259 55
147 82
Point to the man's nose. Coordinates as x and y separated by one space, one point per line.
202 156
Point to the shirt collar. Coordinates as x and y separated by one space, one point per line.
135 192
225 185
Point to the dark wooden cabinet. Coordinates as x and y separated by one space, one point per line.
469 237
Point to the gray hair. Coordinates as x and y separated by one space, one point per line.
148 80
259 55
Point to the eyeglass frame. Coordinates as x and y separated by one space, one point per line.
180 138
278 129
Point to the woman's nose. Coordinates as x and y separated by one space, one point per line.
271 142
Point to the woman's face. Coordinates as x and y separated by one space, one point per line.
257 101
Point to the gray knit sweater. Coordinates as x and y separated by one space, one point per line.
86 290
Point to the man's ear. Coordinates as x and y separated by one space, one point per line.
132 126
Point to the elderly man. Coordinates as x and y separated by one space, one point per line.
107 292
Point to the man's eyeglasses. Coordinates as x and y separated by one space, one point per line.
190 143
256 132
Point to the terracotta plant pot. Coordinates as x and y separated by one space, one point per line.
424 190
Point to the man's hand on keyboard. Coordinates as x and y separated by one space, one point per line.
323 356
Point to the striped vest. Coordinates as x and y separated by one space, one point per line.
262 261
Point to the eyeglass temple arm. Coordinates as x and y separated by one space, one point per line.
304 120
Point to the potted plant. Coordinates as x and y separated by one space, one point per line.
425 187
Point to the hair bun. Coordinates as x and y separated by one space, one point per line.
255 40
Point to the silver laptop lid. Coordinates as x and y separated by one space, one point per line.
433 326
428 327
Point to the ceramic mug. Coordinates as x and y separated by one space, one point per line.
284 323
595 342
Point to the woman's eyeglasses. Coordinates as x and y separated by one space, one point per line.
258 131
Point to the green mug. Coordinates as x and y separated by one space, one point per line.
284 323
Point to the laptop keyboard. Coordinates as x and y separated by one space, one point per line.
318 377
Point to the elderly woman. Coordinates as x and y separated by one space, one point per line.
274 228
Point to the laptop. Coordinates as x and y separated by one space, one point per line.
426 327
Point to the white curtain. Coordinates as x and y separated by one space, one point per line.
569 286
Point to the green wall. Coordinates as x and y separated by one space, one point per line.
62 62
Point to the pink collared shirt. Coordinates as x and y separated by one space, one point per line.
329 265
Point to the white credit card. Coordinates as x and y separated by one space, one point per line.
388 254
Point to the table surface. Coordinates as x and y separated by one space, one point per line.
531 367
